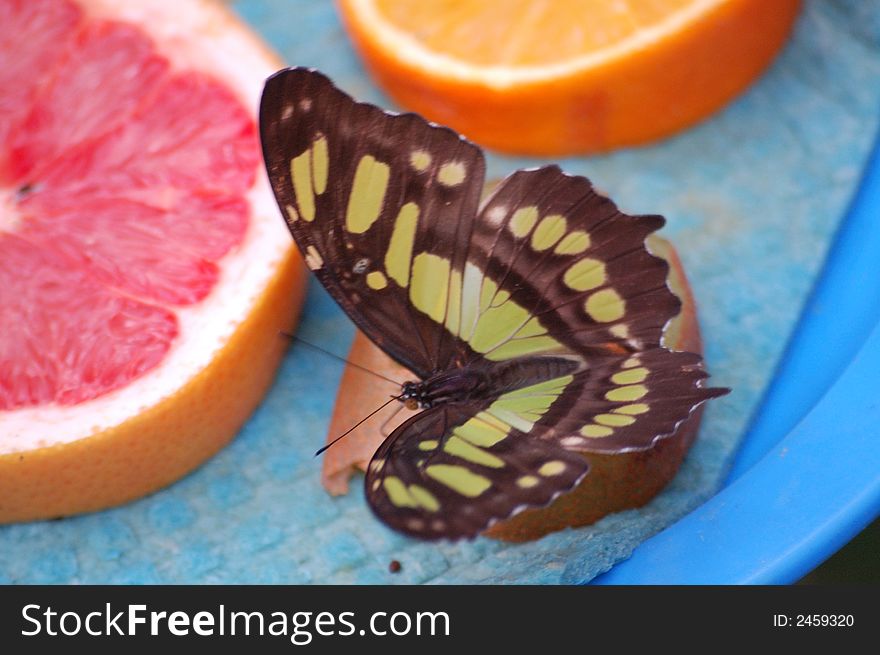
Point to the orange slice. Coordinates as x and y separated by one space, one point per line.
548 77
144 272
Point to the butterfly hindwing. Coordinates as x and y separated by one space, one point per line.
618 404
451 471
381 205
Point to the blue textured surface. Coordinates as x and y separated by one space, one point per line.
752 197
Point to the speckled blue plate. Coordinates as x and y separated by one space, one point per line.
752 197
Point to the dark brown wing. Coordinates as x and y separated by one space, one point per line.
380 204
558 268
617 404
451 471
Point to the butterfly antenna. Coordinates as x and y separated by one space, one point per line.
293 337
367 417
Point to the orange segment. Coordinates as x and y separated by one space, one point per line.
566 76
518 34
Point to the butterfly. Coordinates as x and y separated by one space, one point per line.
532 320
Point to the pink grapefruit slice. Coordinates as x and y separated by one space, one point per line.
144 273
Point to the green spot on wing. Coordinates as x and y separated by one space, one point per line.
458 447
398 493
301 174
459 479
481 432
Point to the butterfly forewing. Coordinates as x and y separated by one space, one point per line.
381 205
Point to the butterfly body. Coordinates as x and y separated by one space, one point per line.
532 320
486 381
463 385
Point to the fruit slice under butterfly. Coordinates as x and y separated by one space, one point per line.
144 274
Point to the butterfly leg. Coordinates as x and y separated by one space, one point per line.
383 429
